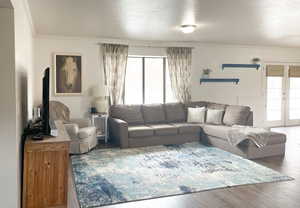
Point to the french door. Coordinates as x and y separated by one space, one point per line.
282 95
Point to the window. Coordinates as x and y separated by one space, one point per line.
274 91
147 81
294 102
134 81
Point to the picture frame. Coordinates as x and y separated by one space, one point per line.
67 74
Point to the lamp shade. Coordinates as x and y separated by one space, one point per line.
101 105
100 101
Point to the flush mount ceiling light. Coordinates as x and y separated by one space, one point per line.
188 28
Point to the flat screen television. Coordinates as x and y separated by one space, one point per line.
45 109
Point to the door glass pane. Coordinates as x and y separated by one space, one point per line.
170 98
274 98
154 80
134 81
294 98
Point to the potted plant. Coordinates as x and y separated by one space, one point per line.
205 73
256 61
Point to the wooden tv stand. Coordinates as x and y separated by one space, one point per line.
45 175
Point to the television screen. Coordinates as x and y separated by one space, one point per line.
45 115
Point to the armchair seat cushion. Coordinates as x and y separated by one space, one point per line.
164 129
140 131
186 128
81 122
86 132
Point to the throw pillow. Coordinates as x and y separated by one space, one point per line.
214 116
196 115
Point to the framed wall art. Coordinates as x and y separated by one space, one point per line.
68 74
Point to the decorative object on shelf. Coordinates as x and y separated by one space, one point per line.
255 66
188 28
236 81
99 120
256 60
68 73
206 72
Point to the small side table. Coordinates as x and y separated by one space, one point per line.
99 120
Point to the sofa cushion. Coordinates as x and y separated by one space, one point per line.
187 128
132 114
214 116
195 104
140 131
86 132
216 106
196 115
235 114
164 129
220 131
153 113
174 112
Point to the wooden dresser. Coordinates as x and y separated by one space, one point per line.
45 175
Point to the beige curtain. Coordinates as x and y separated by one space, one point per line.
114 63
180 66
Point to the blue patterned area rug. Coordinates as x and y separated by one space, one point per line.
110 176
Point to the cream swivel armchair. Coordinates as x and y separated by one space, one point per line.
82 133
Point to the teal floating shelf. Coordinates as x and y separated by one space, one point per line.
255 66
236 81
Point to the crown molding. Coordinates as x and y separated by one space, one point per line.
97 40
23 4
145 43
29 17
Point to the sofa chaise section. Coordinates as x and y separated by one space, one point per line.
246 149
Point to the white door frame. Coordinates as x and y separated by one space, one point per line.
289 122
285 96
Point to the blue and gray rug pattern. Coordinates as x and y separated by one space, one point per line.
110 176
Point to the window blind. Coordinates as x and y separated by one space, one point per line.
275 70
294 71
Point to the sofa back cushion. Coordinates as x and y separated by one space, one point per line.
235 114
195 104
153 113
174 112
216 106
132 114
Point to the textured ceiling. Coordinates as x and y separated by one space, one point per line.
259 22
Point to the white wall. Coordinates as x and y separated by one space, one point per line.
250 90
16 60
91 75
23 78
8 145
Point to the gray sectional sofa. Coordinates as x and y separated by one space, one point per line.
156 124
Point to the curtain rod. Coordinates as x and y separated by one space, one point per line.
147 46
